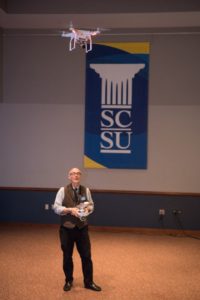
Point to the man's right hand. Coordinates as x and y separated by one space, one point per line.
74 211
71 210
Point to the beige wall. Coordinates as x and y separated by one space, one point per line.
1 65
42 115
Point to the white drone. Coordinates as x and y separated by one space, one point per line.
80 37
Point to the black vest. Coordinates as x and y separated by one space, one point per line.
69 200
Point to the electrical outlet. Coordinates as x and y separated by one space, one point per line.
177 211
161 212
46 206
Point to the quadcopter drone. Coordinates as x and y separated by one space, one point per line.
80 37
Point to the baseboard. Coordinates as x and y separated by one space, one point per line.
114 229
147 231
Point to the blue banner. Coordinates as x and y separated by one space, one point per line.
116 106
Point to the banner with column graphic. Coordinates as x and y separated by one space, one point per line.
116 106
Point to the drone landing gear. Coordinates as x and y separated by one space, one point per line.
86 46
72 44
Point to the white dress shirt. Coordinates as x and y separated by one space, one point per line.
58 204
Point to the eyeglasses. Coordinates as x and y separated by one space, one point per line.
75 173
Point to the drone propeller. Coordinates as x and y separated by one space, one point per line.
71 27
66 34
102 29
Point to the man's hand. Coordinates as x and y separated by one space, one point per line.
71 210
74 211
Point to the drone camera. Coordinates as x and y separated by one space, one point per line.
82 44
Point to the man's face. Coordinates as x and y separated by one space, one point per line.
74 176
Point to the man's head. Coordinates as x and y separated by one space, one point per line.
74 176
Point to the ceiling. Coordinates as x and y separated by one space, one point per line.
125 16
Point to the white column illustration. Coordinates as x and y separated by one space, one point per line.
103 87
116 85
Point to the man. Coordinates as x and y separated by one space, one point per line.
74 228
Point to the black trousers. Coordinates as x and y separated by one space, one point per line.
80 237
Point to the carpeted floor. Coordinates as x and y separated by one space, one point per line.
127 266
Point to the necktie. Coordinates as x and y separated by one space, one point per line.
76 195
